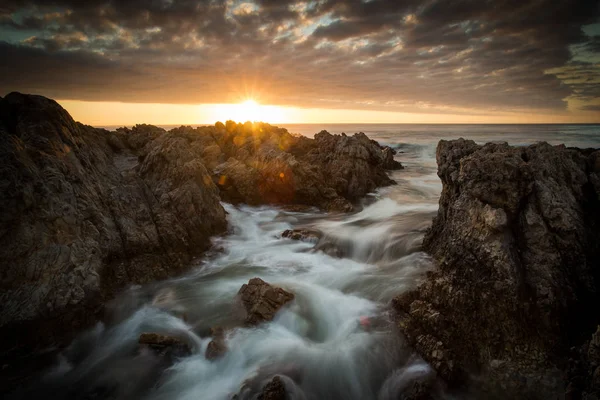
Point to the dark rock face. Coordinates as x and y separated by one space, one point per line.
517 240
262 301
84 212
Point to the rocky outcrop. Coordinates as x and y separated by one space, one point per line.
256 163
84 212
517 242
355 165
261 301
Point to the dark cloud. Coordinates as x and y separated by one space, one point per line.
426 56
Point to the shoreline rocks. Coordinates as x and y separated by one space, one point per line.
517 243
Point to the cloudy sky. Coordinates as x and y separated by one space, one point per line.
372 60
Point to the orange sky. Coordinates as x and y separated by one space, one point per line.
114 113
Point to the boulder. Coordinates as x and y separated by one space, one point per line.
261 301
517 241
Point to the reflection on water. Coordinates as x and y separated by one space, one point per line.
334 341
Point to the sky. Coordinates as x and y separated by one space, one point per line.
111 62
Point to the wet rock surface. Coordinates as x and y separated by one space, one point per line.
517 244
261 301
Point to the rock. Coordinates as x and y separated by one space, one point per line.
355 165
305 235
216 348
261 301
263 164
517 243
274 390
165 344
84 212
388 159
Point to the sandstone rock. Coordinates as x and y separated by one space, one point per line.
517 243
262 301
274 390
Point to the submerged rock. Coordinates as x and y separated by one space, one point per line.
305 235
517 240
216 348
165 344
261 301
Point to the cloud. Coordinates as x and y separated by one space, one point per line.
424 56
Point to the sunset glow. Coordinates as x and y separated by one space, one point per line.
117 114
248 110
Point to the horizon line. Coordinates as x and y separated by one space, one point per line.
201 124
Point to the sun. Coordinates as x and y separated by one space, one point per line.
248 110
